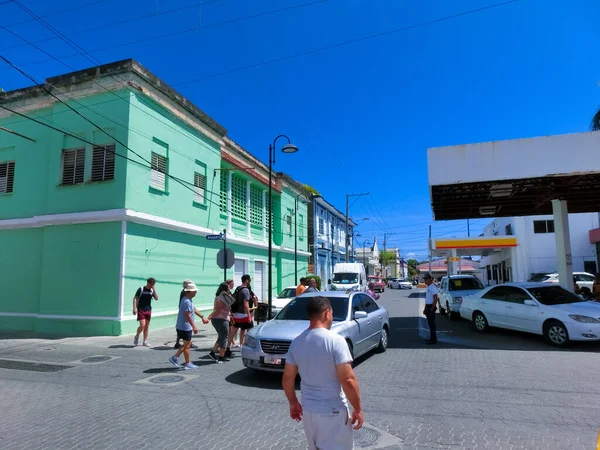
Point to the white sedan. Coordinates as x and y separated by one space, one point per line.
400 283
539 308
284 297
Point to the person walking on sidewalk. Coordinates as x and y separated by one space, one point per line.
431 302
198 313
220 320
324 362
142 308
185 327
242 318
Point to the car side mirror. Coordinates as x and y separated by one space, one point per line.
360 315
530 303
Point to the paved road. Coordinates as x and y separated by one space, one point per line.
495 391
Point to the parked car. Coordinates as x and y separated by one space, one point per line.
583 279
540 308
537 277
453 288
401 283
358 318
390 281
378 282
283 299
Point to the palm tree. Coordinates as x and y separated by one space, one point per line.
595 123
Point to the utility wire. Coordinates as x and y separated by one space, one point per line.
171 34
348 42
55 13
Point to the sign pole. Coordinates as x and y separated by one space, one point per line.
225 250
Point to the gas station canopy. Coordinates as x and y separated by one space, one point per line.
519 177
471 246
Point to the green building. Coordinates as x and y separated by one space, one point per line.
93 206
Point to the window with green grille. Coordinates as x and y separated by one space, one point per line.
223 199
238 198
301 227
256 206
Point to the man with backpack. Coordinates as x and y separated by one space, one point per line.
241 316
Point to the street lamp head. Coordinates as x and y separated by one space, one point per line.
289 148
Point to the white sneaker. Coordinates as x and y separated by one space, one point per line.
236 345
189 366
173 360
146 344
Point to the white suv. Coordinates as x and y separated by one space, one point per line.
452 290
583 279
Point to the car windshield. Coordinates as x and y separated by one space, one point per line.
464 284
374 279
554 295
296 309
537 277
345 278
287 293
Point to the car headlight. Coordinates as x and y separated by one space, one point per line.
250 341
456 299
583 319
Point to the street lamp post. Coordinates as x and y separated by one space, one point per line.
287 148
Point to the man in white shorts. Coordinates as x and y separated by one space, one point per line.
324 362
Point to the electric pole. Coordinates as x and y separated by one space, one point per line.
347 208
385 235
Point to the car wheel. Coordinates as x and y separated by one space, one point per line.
480 322
556 333
383 341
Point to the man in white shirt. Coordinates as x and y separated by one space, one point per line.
431 302
324 362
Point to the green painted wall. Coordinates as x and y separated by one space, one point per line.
37 189
69 270
154 129
80 269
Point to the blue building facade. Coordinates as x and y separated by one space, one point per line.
327 241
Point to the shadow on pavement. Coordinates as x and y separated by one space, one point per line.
175 369
257 379
411 332
122 346
417 295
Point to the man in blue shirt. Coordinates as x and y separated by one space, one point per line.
185 326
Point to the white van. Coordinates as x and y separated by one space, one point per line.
349 276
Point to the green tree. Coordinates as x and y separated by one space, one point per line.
595 123
386 257
412 263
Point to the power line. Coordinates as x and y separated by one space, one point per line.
54 13
171 34
348 42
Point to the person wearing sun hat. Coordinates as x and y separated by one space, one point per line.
185 327
198 313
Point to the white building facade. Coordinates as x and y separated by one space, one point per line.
536 247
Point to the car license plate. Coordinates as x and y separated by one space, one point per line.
274 361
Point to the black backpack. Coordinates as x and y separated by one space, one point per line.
238 305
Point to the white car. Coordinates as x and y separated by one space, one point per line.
453 289
583 279
539 308
400 283
284 297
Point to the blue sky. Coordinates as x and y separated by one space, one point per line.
362 114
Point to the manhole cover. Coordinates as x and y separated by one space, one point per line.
167 379
96 359
31 366
366 437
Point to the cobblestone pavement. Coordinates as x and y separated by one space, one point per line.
497 391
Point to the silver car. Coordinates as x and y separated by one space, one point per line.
356 316
453 289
